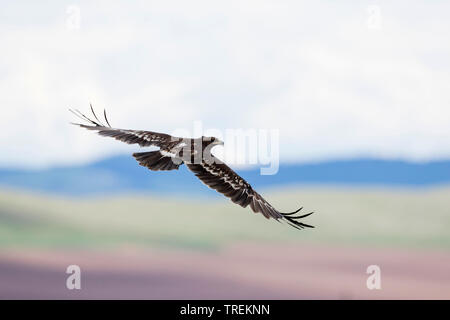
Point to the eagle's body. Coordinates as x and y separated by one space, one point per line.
196 154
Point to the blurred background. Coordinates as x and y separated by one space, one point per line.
359 92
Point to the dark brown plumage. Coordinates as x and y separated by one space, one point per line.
195 153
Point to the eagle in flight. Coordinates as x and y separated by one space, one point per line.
196 154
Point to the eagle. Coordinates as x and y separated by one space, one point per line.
196 155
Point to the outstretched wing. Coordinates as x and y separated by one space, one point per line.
223 179
141 137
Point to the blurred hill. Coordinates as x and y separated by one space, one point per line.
122 174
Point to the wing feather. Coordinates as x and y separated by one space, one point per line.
141 137
223 179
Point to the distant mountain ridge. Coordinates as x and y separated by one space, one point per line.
122 174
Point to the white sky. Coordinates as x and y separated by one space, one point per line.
336 78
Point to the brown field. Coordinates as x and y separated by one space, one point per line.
246 271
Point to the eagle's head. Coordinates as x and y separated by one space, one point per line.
212 140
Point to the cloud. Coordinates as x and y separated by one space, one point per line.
333 86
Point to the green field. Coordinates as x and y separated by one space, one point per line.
376 217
